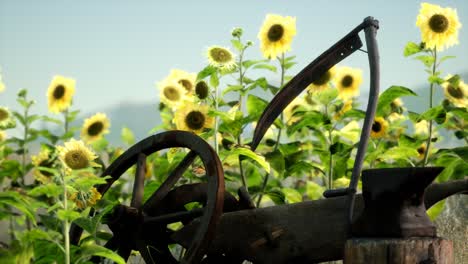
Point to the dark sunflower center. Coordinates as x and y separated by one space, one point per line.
201 89
438 23
421 150
195 120
376 127
186 84
347 81
76 160
324 79
220 55
455 92
275 32
171 93
3 115
59 91
95 129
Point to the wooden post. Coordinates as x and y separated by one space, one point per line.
416 250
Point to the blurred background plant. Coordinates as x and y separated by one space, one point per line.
310 147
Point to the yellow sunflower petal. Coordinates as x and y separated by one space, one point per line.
458 96
95 127
60 93
347 81
276 35
193 117
187 80
323 82
171 93
439 26
221 57
379 128
75 155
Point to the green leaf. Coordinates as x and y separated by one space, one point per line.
435 79
326 96
49 190
288 65
236 152
149 189
387 97
207 71
277 162
292 195
354 114
460 112
314 191
68 214
437 114
435 210
214 80
398 152
249 63
237 44
277 196
411 48
232 88
427 60
95 250
266 67
446 58
310 119
127 136
14 199
455 167
255 105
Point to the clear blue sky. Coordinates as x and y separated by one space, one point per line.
117 50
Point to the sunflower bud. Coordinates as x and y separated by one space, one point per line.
202 89
227 144
237 32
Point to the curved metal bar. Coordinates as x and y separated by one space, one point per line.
312 72
139 184
373 55
214 172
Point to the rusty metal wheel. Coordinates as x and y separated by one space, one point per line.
142 227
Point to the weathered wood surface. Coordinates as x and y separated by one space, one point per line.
306 232
399 251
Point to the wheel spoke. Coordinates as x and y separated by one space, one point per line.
171 180
138 186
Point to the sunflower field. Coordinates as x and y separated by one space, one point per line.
309 149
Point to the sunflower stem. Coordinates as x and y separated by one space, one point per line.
66 226
431 94
265 180
241 98
65 114
215 141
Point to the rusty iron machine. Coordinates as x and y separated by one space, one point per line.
230 230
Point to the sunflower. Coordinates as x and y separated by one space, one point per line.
457 95
220 57
396 117
95 127
276 35
3 135
43 159
291 109
379 128
347 82
439 26
421 150
60 94
341 182
343 108
421 128
6 120
323 82
2 86
187 80
193 117
85 199
75 155
202 90
171 93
